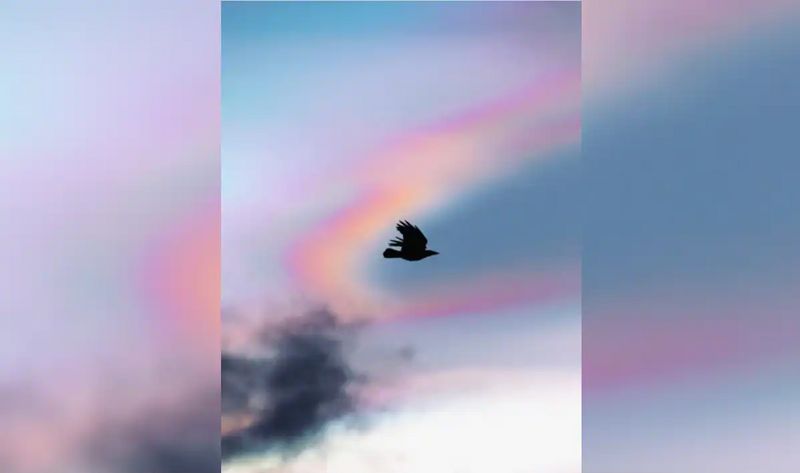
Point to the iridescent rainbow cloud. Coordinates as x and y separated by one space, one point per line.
422 170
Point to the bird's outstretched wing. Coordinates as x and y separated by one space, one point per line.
412 236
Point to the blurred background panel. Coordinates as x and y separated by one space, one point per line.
109 245
692 237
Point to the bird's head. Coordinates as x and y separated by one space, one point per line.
430 253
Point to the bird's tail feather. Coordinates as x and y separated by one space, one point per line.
391 253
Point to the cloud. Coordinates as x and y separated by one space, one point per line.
178 437
291 393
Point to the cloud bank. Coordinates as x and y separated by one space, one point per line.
286 396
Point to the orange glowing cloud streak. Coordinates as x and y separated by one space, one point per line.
421 171
181 275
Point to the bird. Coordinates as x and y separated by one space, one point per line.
412 244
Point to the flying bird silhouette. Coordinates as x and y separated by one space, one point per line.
412 244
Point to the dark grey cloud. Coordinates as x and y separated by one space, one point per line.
242 380
303 382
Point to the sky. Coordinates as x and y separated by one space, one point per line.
340 119
110 306
689 244
110 158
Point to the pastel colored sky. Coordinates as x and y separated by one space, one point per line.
437 111
689 261
110 152
339 120
111 121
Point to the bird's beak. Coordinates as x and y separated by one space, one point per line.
434 252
